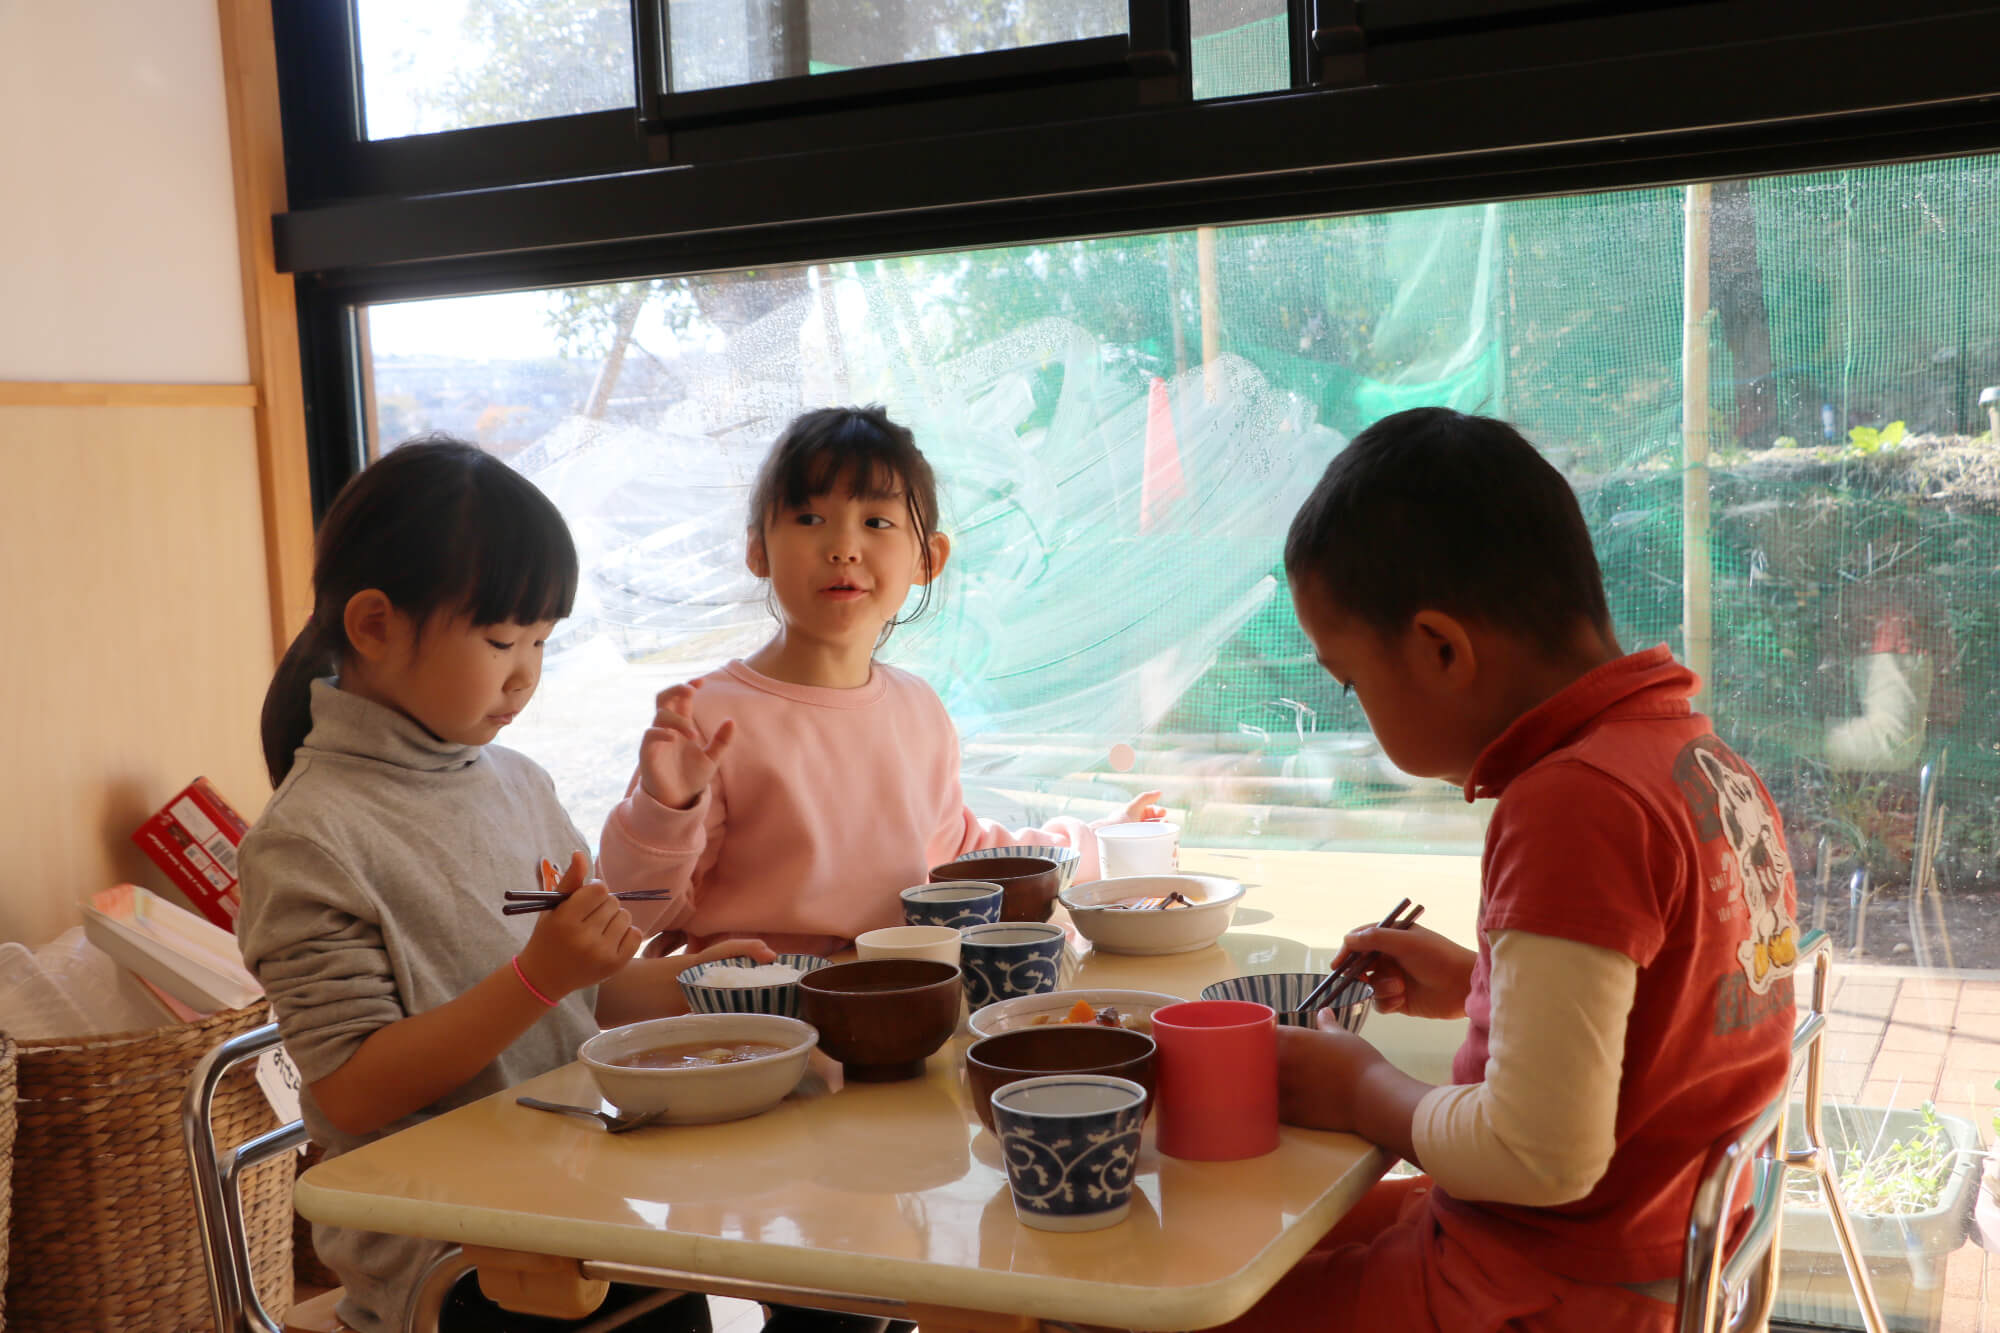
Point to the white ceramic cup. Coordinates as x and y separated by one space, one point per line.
937 943
1152 848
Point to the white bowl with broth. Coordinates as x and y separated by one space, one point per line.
1101 917
700 1068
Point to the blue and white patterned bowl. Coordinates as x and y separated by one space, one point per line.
1071 1146
1010 958
958 903
781 999
1064 857
1286 991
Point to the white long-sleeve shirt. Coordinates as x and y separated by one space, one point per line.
1541 1128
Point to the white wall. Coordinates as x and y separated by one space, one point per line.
132 537
117 216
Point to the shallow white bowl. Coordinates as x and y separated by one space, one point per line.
1023 1010
1167 930
705 1095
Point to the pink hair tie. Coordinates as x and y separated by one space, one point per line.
529 984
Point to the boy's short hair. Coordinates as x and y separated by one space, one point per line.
1435 509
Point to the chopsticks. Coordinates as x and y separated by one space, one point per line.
522 902
547 899
1354 965
1153 904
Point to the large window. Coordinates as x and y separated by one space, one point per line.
1123 427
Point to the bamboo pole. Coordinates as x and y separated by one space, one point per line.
1211 312
1696 570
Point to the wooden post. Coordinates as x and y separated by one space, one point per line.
257 156
1696 571
1211 311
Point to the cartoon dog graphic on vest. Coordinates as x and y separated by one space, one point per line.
1773 945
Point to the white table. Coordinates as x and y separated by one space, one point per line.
890 1199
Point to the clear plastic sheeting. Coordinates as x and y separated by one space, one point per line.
1111 533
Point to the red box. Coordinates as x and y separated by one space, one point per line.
194 839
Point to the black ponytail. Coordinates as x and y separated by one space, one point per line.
437 526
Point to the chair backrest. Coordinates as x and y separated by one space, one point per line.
1725 1287
217 1175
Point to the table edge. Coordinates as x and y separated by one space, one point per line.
912 1280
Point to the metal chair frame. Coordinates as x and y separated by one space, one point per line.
225 1244
1723 1293
217 1175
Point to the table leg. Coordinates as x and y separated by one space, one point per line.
537 1284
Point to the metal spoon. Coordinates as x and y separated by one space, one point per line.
616 1124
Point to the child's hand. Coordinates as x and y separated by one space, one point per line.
755 950
1141 810
1420 972
1318 1073
674 766
588 938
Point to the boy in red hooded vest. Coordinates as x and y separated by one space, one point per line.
1630 997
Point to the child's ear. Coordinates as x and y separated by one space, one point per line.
370 621
1444 649
940 547
755 557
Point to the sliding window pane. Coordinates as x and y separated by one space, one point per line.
722 43
430 65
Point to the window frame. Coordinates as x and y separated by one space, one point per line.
1570 99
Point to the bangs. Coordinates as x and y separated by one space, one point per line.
520 560
857 450
858 462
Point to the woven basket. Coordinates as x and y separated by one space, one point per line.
6 1159
103 1231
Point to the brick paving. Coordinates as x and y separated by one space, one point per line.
1898 1038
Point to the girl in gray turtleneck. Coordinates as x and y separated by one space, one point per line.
372 883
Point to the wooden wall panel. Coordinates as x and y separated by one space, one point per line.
138 642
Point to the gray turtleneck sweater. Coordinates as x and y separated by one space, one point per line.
372 890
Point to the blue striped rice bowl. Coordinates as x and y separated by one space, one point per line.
1286 991
1064 857
781 999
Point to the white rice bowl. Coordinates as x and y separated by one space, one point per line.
740 986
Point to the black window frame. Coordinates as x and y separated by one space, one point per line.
1393 104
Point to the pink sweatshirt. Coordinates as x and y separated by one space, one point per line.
827 805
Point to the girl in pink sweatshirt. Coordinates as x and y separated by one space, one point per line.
792 795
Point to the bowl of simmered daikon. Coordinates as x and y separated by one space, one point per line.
697 1069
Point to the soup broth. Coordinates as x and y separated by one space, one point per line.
700 1054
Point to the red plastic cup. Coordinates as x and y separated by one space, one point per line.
1216 1098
